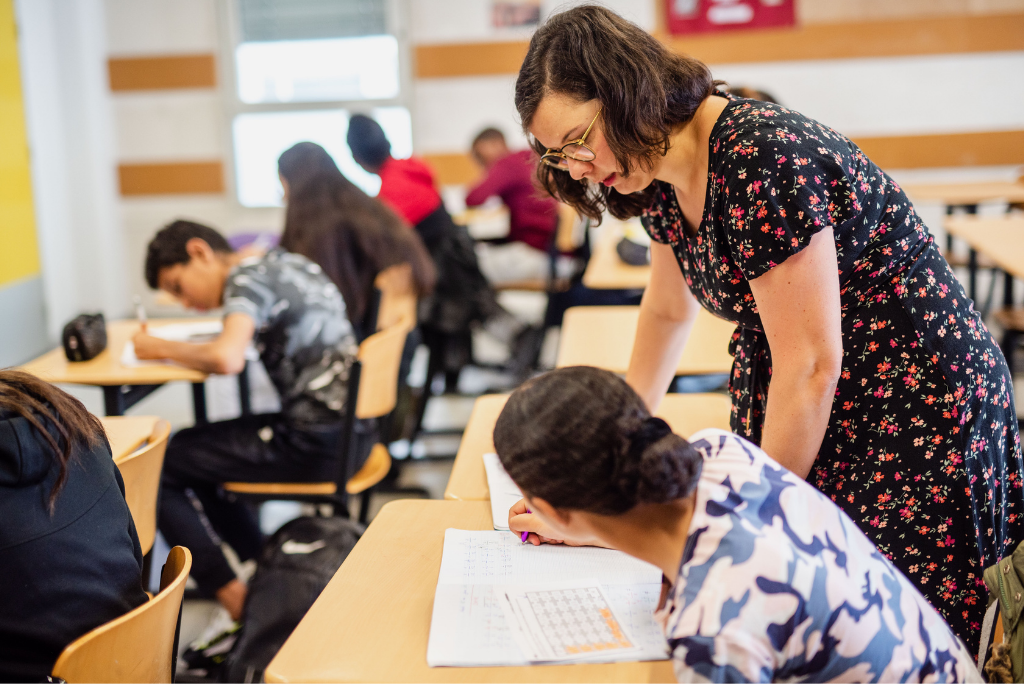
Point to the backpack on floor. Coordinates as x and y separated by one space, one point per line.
296 564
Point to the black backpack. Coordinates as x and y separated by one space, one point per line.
296 564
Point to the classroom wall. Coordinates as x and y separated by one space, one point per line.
169 152
21 285
70 132
952 75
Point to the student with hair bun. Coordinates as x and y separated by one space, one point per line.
765 578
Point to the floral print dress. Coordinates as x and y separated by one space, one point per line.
922 449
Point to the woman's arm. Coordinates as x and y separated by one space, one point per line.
667 312
799 305
225 355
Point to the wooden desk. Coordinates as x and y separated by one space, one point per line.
1001 239
606 271
964 194
603 336
127 433
123 386
484 224
686 413
372 621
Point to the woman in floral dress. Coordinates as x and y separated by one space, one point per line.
860 363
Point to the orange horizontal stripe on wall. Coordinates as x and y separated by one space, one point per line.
162 73
889 38
177 178
889 152
453 169
991 148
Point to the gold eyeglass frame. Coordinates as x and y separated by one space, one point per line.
558 154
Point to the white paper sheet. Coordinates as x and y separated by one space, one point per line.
468 626
564 622
504 492
199 331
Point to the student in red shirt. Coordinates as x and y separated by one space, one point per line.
533 216
462 296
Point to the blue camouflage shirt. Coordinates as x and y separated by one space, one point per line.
778 584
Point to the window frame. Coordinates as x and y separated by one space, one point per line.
231 36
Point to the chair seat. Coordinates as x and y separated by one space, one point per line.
377 465
1010 319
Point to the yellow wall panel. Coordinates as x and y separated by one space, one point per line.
19 251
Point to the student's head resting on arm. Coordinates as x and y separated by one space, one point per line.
191 262
766 578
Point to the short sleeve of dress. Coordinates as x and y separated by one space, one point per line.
655 220
778 191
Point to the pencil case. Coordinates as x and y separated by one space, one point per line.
84 337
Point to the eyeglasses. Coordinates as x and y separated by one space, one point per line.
576 150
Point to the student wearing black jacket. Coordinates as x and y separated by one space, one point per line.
69 555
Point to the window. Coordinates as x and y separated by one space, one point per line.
323 59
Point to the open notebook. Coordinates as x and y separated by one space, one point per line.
469 627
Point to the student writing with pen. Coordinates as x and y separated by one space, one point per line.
296 318
766 579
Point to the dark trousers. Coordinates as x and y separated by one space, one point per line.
197 514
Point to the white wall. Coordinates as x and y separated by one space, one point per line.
63 55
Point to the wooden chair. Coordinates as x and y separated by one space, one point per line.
139 646
141 474
373 390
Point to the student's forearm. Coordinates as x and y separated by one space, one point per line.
659 343
208 357
799 406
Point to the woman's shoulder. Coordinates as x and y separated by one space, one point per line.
748 128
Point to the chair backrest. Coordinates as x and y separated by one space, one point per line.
380 356
397 297
139 645
141 474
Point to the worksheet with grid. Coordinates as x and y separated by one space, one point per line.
569 621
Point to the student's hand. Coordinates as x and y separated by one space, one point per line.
147 346
521 520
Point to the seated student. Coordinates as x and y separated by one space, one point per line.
533 216
352 236
296 317
69 556
463 295
765 578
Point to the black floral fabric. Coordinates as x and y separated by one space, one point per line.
922 448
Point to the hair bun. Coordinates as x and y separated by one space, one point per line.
667 466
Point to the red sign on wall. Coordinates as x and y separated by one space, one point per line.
702 16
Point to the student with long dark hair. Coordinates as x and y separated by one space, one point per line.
860 362
70 558
464 297
766 579
349 234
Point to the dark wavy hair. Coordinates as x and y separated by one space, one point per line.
168 247
60 421
581 439
591 53
351 235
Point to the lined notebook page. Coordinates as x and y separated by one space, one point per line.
468 626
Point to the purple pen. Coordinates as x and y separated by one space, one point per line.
525 535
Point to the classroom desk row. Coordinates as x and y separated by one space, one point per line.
1000 239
